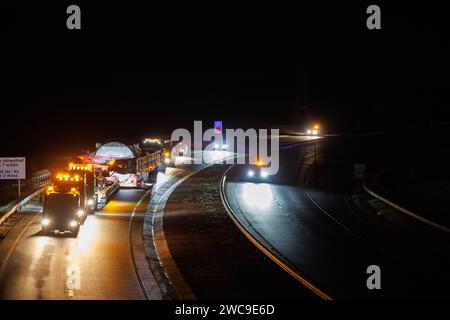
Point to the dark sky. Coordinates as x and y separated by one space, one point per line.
136 70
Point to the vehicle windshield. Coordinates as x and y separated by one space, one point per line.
61 204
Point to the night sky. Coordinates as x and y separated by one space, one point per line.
132 71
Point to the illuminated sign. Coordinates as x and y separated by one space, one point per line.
218 126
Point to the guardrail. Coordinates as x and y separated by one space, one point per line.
405 211
37 183
8 190
8 214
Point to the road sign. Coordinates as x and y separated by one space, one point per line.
218 126
12 168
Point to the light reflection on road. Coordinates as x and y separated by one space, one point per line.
257 195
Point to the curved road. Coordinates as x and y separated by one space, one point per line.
319 235
97 264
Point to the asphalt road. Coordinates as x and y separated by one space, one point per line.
211 257
320 235
97 264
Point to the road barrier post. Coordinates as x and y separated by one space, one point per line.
18 192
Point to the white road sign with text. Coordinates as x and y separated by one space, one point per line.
12 168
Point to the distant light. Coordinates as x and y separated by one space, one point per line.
224 146
251 173
217 126
316 126
216 145
80 213
90 202
153 140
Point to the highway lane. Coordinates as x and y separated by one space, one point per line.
95 265
332 256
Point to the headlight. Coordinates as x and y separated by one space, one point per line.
73 223
90 202
166 160
216 146
314 132
45 222
251 173
80 213
263 174
224 147
308 131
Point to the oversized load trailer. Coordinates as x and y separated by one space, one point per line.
132 166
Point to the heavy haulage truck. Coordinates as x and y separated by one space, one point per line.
66 203
90 180
75 191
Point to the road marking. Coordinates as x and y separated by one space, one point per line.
171 270
262 248
13 247
130 239
183 290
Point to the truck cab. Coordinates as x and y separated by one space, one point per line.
62 211
65 204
